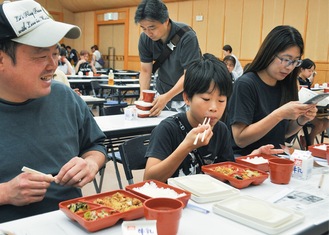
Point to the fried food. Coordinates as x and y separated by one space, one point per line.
119 202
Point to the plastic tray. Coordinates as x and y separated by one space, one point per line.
318 152
258 214
159 184
204 188
237 169
261 167
101 223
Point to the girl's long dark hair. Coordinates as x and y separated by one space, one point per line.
279 39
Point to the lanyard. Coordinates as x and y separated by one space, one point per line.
183 129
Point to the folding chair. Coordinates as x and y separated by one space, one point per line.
132 154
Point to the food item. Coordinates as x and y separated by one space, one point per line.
152 190
119 202
78 207
94 215
237 173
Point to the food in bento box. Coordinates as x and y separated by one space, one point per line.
78 207
119 202
237 173
94 215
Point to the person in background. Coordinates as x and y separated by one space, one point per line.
63 63
307 71
96 57
44 124
306 75
172 151
230 64
83 64
158 29
238 70
264 106
72 55
60 76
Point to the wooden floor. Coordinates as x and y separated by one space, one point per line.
110 182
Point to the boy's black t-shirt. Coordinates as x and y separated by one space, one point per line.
167 136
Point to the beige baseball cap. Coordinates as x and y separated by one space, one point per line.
27 22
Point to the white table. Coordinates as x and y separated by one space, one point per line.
116 126
116 80
192 222
120 91
118 130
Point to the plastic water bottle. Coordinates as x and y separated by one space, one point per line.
111 77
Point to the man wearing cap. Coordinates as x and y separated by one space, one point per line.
44 125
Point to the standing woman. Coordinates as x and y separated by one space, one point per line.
264 107
96 57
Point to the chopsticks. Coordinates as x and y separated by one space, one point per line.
29 170
206 121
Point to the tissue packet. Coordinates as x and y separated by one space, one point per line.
303 164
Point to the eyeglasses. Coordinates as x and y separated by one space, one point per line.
288 62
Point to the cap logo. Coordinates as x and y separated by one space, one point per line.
29 19
23 22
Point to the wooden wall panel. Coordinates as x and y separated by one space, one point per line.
215 27
173 10
272 16
251 29
200 8
294 14
134 32
233 27
185 12
317 35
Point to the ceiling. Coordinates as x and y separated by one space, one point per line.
94 5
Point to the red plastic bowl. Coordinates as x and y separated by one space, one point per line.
237 183
184 199
318 152
261 167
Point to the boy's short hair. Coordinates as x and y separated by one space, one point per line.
227 48
151 10
200 75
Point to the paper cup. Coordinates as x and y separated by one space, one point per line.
166 211
280 170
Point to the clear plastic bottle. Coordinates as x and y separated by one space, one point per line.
111 77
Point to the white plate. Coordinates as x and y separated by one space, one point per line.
258 214
203 185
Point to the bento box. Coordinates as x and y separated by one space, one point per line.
153 188
103 210
258 161
239 176
319 150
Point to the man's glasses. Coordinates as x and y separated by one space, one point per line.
288 62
